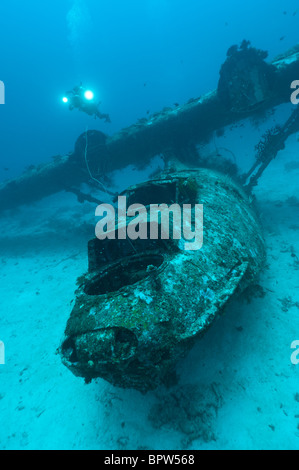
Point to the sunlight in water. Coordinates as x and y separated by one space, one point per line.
79 22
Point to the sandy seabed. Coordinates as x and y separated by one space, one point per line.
238 388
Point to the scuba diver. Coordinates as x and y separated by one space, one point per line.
83 99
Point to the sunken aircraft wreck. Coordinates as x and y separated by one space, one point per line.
248 86
144 302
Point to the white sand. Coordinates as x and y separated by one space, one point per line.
246 354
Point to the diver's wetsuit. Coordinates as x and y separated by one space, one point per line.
77 100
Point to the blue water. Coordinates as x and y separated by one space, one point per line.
138 56
175 48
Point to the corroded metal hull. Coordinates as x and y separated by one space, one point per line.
144 303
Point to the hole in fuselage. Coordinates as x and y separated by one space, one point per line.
69 350
125 273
